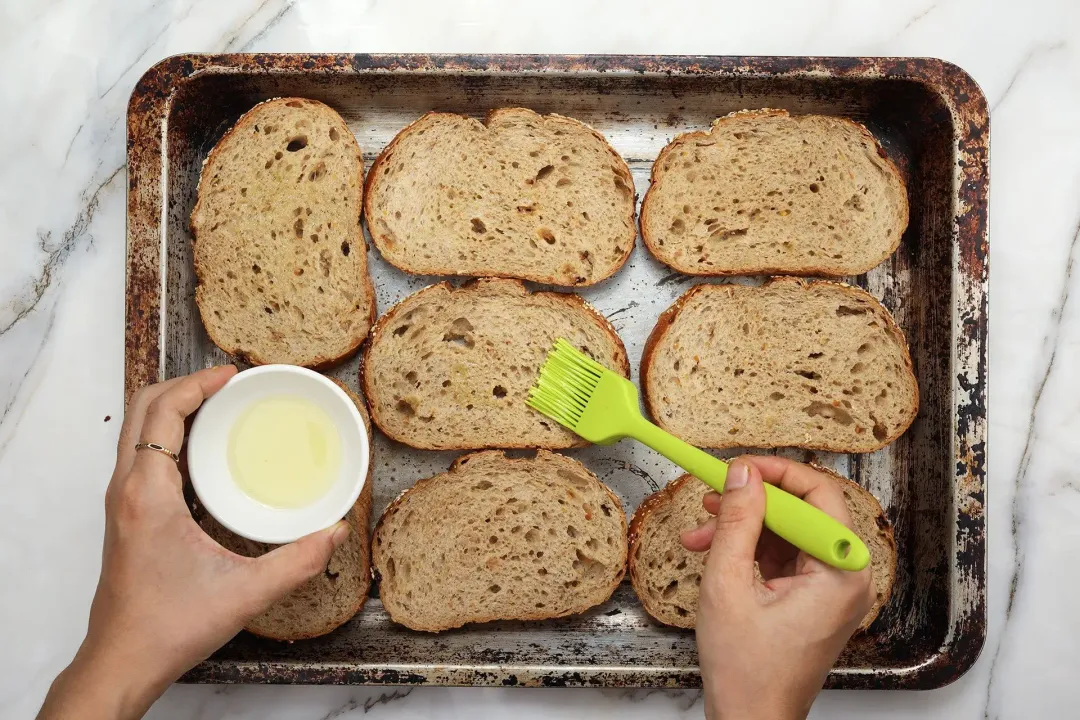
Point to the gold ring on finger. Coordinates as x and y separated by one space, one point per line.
158 448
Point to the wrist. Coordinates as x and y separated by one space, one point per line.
756 708
105 684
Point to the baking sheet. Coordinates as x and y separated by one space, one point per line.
931 118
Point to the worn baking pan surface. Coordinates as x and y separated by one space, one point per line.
932 120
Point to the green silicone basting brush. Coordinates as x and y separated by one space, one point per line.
602 407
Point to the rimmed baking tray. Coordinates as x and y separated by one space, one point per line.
933 121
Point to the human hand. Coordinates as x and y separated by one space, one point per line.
168 595
765 648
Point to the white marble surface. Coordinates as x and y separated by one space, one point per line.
68 68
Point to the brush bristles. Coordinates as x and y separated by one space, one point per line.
567 380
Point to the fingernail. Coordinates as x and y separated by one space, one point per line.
341 533
737 475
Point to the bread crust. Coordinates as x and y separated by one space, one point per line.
500 456
668 317
492 115
573 302
806 270
251 357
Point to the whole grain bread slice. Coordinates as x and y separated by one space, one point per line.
520 195
766 192
499 539
812 364
279 251
449 368
326 601
667 577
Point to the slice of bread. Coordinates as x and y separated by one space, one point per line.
520 195
873 528
279 251
764 192
667 577
449 368
818 365
328 600
499 539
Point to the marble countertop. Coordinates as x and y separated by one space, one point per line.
68 70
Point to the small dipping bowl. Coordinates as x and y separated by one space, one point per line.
208 463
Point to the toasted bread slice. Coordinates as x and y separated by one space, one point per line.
500 539
330 599
520 195
818 365
279 251
667 577
449 368
766 192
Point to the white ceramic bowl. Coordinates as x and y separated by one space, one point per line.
208 462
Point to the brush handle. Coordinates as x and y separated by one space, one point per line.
813 531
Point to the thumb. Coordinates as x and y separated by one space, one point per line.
738 524
283 569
